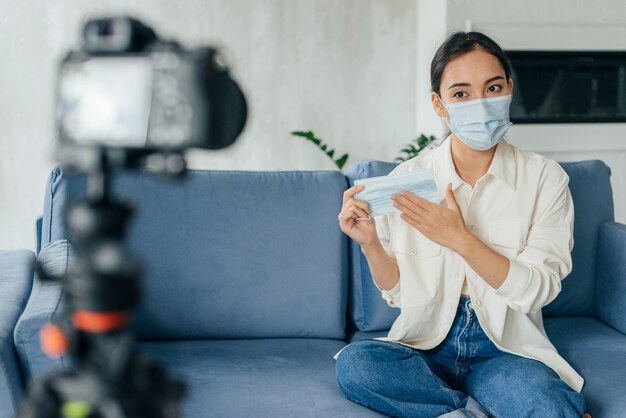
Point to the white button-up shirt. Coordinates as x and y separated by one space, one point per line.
521 208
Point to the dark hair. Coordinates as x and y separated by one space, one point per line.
460 43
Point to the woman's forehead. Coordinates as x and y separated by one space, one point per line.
474 68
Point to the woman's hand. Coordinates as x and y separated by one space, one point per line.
363 231
445 226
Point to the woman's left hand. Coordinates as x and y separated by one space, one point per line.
444 226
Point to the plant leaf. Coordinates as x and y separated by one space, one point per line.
341 161
310 136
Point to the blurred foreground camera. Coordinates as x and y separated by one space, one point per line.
125 88
125 100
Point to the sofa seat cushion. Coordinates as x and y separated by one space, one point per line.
282 377
598 352
594 349
361 335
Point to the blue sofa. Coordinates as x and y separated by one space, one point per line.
251 288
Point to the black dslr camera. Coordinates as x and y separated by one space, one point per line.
126 89
125 100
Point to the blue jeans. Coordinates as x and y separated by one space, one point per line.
464 376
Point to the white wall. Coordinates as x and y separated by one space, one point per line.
354 71
431 32
344 68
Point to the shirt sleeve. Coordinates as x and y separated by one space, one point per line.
534 278
384 233
392 296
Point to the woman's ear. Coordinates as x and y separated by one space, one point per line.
438 107
511 86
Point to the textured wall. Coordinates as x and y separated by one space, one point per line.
344 68
354 71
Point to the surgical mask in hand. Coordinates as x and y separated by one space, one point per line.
378 190
479 123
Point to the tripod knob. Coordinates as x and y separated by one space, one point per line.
53 341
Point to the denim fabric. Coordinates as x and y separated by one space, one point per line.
464 376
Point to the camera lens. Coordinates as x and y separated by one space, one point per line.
106 29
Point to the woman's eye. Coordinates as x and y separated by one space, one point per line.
460 95
494 88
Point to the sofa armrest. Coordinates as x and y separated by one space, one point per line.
611 275
16 278
44 301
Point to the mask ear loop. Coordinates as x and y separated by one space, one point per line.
444 122
441 101
510 102
509 90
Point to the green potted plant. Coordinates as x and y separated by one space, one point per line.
411 150
310 136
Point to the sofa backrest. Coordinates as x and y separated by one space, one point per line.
230 254
368 311
593 204
590 185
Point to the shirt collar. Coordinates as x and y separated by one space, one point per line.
503 165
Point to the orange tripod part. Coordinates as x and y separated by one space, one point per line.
53 341
98 322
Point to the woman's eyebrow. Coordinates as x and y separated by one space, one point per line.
498 77
459 85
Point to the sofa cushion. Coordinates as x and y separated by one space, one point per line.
593 204
291 377
230 254
16 278
598 353
611 275
590 185
367 309
42 306
357 335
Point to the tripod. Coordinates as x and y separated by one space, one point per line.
108 377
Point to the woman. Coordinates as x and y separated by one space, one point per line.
471 274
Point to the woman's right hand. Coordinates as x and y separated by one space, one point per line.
363 231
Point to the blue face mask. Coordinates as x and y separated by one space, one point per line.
378 190
480 123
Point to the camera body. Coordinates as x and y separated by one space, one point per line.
127 89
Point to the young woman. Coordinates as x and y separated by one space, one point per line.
471 274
